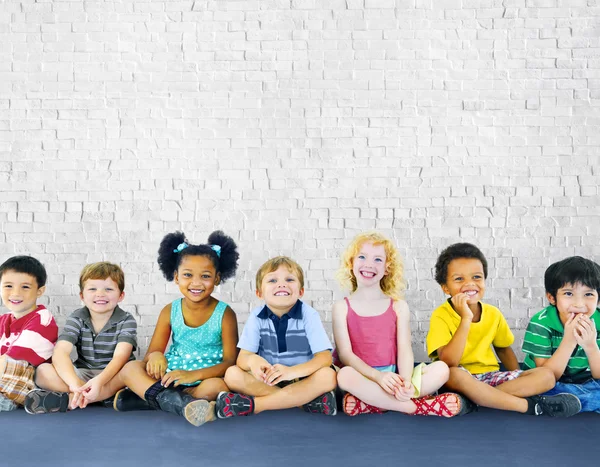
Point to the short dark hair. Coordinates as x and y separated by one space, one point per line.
26 265
456 251
572 270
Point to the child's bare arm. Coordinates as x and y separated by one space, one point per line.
156 363
344 346
586 336
229 336
507 357
452 352
61 360
405 357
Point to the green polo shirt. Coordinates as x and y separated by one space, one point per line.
542 338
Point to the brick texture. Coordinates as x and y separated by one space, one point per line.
293 125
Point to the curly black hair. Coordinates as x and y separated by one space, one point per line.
172 251
26 265
455 251
572 270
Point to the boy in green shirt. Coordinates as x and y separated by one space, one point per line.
564 336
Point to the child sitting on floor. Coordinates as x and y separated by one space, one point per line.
463 331
105 338
203 331
372 335
564 336
285 354
27 333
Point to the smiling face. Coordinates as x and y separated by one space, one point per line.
574 298
280 289
465 275
196 277
369 265
101 295
20 292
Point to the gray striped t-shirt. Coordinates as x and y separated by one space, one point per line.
95 351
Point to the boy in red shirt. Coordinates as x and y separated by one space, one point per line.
28 333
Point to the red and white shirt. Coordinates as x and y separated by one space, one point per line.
30 337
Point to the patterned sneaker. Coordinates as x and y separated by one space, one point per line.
232 404
7 405
559 405
41 401
324 404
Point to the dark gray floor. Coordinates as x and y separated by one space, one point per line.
102 437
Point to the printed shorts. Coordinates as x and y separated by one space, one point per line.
495 378
17 380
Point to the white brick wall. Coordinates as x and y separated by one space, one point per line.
292 125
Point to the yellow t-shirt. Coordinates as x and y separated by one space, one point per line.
491 330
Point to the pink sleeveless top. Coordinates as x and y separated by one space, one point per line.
373 338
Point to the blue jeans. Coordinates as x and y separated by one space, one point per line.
588 393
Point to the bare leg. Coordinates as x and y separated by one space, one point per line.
434 377
273 398
208 389
46 377
482 394
134 376
530 383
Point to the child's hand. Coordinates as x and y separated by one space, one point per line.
178 377
259 368
570 335
89 392
459 301
278 373
405 392
585 333
157 365
77 400
389 381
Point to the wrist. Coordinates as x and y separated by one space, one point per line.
591 348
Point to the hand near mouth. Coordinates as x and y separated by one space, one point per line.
460 304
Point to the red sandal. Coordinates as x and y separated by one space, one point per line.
360 407
436 405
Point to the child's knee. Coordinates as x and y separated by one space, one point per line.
546 377
233 376
42 372
439 370
131 367
347 378
326 378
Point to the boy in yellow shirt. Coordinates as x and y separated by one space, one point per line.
463 331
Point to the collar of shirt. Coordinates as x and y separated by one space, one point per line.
295 313
84 314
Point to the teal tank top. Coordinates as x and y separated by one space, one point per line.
195 348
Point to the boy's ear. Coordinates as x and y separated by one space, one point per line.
121 297
259 294
41 291
445 289
301 292
550 298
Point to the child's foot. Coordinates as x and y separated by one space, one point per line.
232 404
199 412
7 405
42 401
559 405
446 405
324 404
126 400
352 406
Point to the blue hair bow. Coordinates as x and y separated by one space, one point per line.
180 247
216 249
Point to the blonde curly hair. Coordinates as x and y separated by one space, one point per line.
392 284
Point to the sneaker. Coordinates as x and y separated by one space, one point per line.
560 405
42 401
7 405
232 404
324 404
126 400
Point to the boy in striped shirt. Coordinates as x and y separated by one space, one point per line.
27 333
105 338
564 336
